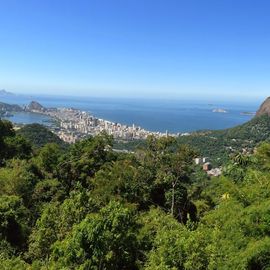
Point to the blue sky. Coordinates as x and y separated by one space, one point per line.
136 48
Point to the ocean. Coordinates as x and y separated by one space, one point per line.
151 114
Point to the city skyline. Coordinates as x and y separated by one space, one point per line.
176 49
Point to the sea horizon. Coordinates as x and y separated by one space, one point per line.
174 116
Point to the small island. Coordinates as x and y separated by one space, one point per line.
219 111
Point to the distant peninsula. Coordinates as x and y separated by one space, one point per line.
248 113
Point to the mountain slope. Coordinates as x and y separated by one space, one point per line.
10 107
39 135
264 108
220 144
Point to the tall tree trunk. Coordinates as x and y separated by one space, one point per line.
173 199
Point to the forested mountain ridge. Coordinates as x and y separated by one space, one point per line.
88 207
39 135
10 107
220 144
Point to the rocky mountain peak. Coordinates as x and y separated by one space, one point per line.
34 105
264 108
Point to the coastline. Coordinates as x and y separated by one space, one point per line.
154 116
71 125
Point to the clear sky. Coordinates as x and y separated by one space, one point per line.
136 48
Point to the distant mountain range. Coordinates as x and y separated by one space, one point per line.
3 92
33 106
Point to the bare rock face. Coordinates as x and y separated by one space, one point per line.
35 106
264 108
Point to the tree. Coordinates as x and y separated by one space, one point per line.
19 178
46 191
6 130
125 180
169 244
172 168
48 158
18 147
263 155
57 220
13 263
101 241
84 159
13 221
12 146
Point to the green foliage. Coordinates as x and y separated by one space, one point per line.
84 159
46 191
173 245
88 207
19 178
13 263
129 145
6 129
48 158
10 107
39 135
12 146
13 221
101 241
220 144
262 155
18 147
57 220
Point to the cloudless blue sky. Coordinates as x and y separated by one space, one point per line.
136 48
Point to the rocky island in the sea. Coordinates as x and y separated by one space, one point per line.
218 110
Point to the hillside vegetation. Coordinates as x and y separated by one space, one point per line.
220 144
39 135
8 108
89 207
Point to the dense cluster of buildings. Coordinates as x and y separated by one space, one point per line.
73 124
